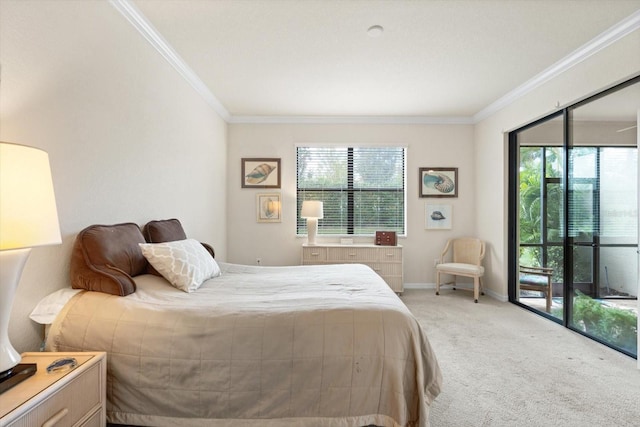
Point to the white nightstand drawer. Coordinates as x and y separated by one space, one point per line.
94 420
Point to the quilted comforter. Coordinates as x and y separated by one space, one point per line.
270 346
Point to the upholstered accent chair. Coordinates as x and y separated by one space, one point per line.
462 257
537 279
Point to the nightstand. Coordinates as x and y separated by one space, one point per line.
75 397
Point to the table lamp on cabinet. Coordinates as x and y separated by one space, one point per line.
28 218
312 210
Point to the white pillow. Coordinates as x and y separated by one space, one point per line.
186 264
49 307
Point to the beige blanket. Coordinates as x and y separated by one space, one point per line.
269 346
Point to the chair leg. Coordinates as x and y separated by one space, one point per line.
549 295
476 288
437 283
481 287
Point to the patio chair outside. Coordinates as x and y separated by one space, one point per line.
537 279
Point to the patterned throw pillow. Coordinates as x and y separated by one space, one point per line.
186 264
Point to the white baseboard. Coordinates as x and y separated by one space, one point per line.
492 294
495 295
433 286
419 285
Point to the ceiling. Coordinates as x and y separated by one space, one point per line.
444 60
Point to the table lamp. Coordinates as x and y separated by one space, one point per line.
28 218
312 211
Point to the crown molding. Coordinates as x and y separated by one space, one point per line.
613 34
392 120
142 24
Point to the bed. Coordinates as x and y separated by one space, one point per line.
270 346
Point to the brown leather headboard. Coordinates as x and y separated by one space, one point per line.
105 257
167 230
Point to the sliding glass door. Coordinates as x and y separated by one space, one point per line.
603 218
574 217
540 188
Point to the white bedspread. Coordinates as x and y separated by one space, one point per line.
270 346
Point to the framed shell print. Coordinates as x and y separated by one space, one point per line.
438 216
438 182
260 173
269 207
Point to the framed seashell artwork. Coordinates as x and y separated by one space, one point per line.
438 216
438 182
269 207
260 173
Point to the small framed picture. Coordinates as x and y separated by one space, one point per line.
438 216
269 207
438 182
260 173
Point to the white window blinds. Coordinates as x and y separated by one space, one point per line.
362 188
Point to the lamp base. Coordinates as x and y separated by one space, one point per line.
11 264
16 375
312 230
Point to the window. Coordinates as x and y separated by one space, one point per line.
362 188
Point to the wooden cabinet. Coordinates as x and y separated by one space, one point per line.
67 398
384 260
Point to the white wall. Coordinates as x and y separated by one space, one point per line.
615 63
128 139
276 243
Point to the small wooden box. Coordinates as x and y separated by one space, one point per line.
386 238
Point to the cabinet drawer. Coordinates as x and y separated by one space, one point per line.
390 254
95 420
352 254
387 269
69 405
311 255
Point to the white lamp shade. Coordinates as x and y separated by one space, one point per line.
312 209
28 214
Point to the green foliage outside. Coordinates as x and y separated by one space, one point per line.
614 325
536 162
611 324
532 187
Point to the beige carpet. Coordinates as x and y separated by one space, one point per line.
505 366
